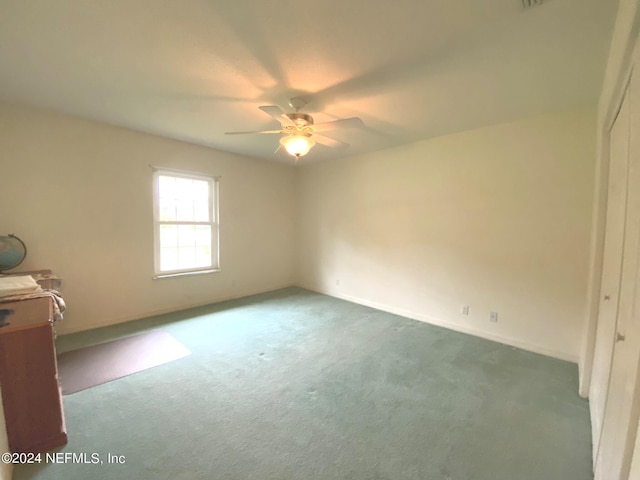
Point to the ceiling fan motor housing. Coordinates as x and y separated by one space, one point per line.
301 119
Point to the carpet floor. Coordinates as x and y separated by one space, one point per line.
296 385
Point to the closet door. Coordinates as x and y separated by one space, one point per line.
622 406
611 269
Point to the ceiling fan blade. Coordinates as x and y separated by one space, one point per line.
277 113
353 122
257 131
328 142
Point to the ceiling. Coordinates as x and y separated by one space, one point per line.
411 69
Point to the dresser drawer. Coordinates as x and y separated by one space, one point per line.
27 313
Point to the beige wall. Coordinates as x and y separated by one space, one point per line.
497 218
79 193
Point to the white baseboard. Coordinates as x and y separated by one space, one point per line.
446 324
361 301
60 330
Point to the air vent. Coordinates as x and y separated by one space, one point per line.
526 4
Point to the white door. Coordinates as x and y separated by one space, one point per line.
622 407
611 269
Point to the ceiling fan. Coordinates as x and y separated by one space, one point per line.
298 131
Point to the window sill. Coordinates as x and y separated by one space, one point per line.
185 274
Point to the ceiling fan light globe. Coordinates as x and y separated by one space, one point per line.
297 145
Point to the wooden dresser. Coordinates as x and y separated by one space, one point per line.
29 377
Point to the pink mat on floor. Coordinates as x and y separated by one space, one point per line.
87 367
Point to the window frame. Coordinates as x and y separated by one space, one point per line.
213 222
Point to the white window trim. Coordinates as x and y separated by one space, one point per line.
213 215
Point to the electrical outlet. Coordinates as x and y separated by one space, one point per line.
337 283
493 317
464 309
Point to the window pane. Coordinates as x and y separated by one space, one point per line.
168 258
166 187
203 257
181 202
167 210
168 236
185 210
186 235
186 257
203 235
184 188
201 211
201 191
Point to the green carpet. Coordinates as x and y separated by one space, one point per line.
297 385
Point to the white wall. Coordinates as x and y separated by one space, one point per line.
79 193
497 218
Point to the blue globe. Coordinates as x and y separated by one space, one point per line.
12 252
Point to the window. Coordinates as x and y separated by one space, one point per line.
185 212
